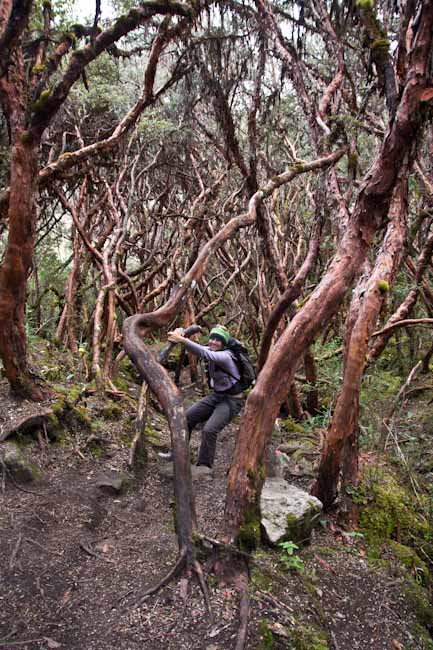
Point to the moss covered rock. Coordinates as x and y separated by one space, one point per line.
288 513
17 465
112 411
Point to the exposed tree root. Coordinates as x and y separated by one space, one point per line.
15 552
181 561
244 612
203 586
114 393
27 422
224 545
234 568
137 446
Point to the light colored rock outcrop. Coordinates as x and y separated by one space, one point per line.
288 513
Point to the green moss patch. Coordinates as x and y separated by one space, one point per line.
410 559
112 411
260 579
389 512
290 426
266 636
418 599
248 538
309 638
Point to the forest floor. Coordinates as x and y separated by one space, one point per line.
75 556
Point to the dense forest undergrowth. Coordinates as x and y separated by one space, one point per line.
81 542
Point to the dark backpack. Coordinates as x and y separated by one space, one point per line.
243 362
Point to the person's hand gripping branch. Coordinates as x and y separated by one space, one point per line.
177 335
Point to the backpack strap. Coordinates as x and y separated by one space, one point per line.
227 372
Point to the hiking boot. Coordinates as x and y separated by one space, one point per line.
201 471
168 456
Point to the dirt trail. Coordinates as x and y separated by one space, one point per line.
75 559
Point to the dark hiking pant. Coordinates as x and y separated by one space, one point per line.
216 411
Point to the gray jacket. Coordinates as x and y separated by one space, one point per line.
220 381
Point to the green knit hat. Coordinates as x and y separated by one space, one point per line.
220 333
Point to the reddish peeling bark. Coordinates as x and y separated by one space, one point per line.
16 267
371 208
17 260
408 304
27 119
292 292
366 304
311 377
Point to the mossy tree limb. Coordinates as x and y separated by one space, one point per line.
380 54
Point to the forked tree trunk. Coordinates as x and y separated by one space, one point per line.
343 432
15 270
245 477
407 306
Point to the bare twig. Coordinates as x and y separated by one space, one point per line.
89 551
404 323
44 548
8 636
398 400
10 643
15 552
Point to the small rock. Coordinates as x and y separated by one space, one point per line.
112 482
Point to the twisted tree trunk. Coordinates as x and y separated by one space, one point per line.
343 432
371 208
29 110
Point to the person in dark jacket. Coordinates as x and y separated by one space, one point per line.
218 408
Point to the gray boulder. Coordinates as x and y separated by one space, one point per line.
288 513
